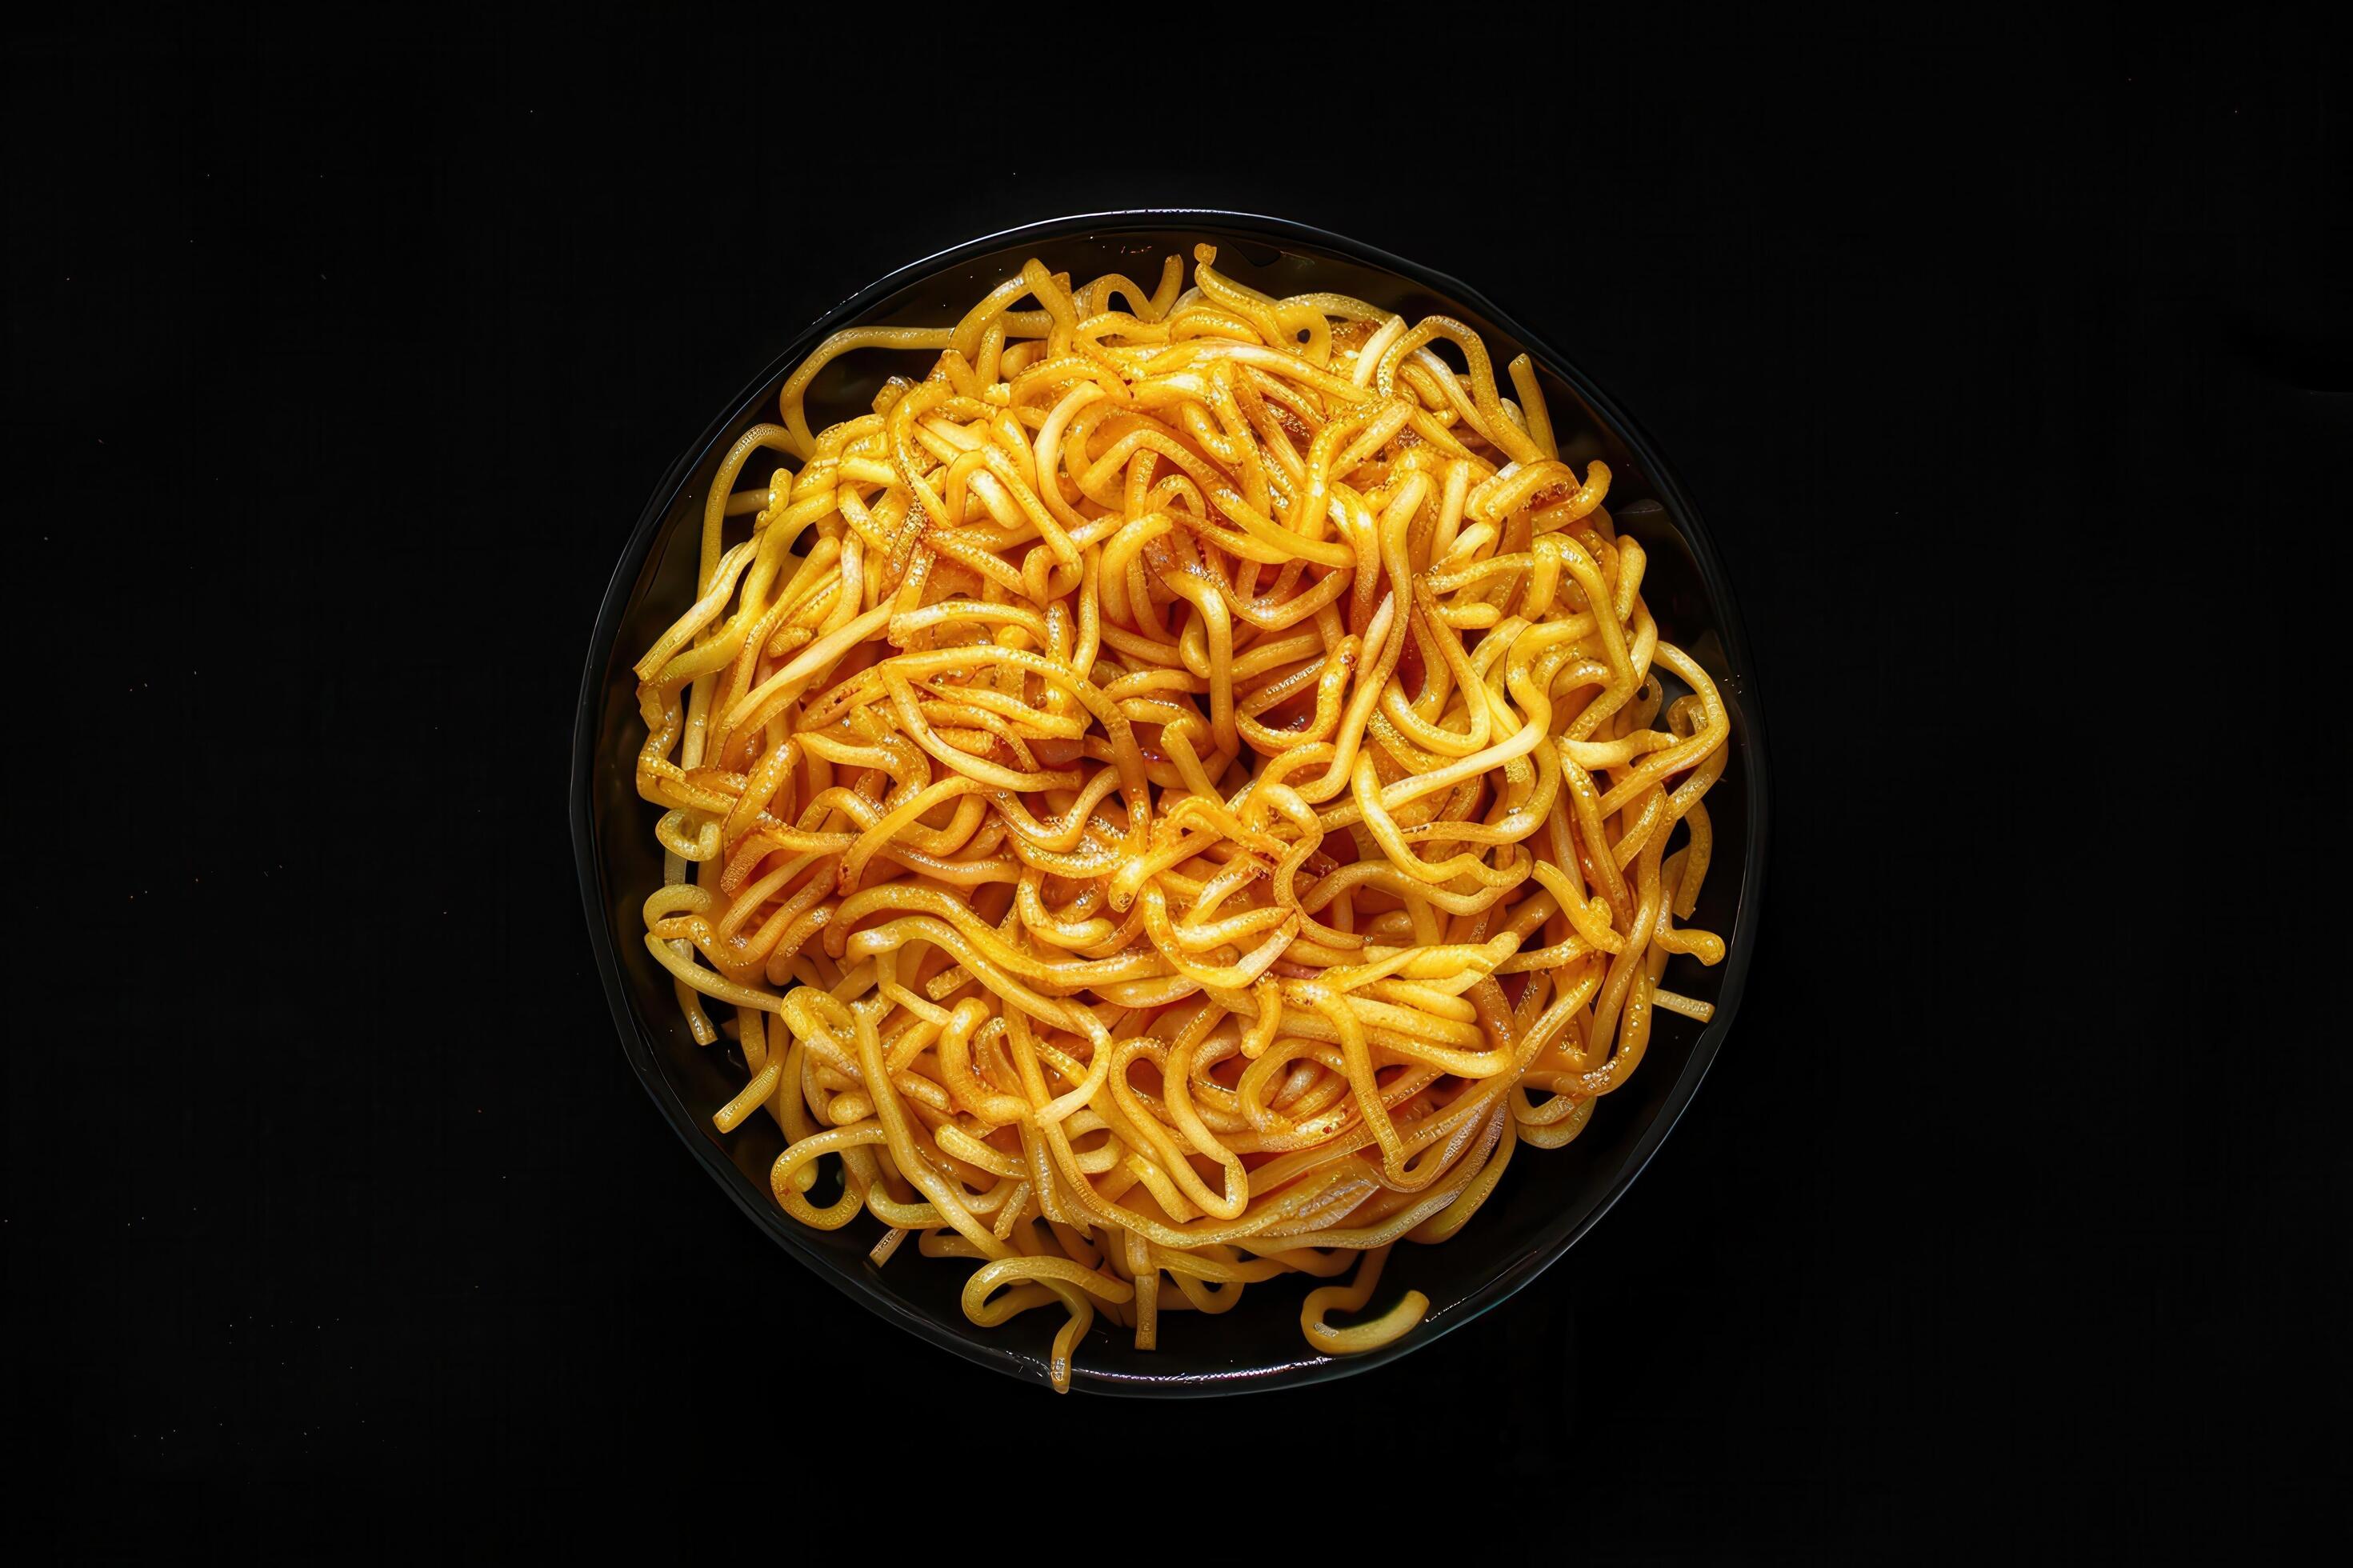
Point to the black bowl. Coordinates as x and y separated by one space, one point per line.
1547 1200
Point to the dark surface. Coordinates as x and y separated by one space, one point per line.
1539 1207
2010 370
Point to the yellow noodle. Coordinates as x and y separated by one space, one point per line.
1190 779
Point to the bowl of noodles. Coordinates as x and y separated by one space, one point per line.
1170 802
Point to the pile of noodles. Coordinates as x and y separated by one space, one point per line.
1174 797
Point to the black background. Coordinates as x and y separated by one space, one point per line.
2011 368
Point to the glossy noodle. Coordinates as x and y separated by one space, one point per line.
1180 794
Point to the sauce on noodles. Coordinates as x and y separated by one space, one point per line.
1176 797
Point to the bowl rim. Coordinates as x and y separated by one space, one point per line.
1310 1367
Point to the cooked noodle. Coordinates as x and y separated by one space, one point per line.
1174 797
